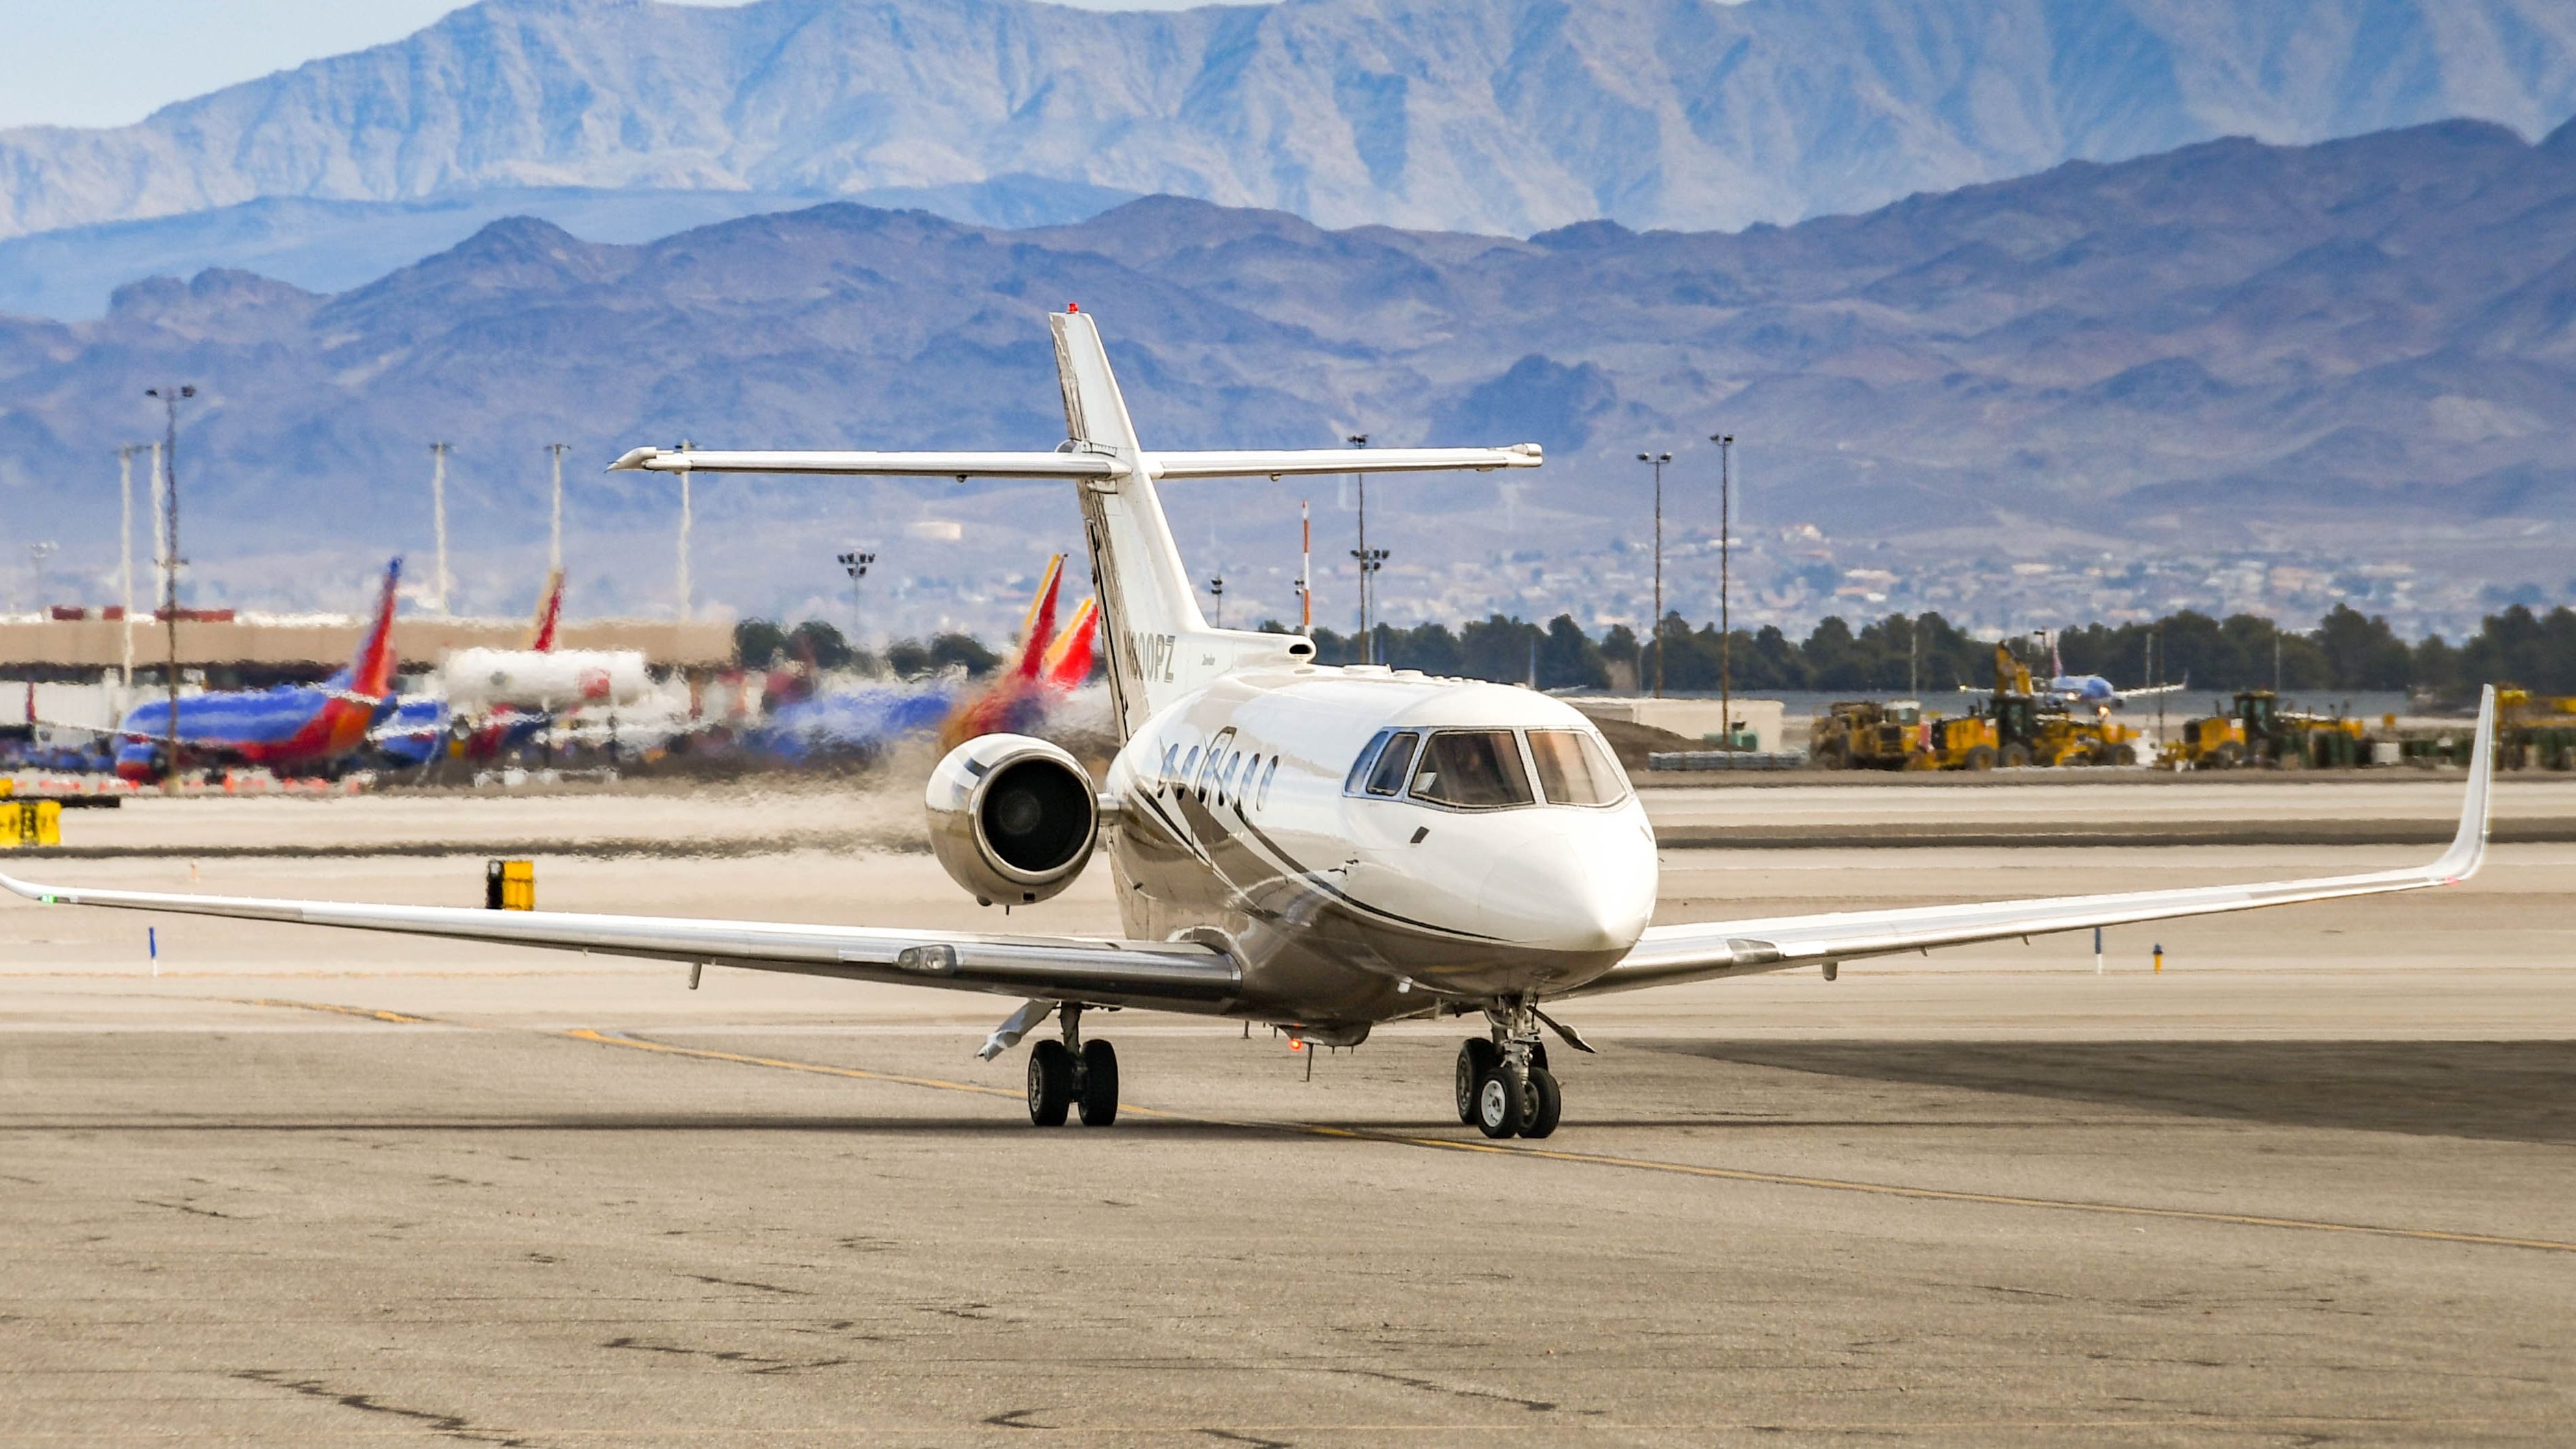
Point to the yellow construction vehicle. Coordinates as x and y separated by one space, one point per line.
2260 732
2535 730
1863 734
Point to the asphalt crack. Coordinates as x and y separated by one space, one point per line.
453 1426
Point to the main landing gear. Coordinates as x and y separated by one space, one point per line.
1504 1086
1073 1074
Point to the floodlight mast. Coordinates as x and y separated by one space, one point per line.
554 533
1725 624
125 559
170 398
1656 631
438 513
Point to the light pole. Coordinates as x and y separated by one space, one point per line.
37 553
685 445
438 513
1725 578
855 564
1370 559
125 556
554 534
1216 592
1657 462
1305 569
170 398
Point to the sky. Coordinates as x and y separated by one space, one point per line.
113 62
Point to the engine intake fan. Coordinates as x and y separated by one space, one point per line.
1012 819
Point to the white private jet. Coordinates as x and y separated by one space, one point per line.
1320 849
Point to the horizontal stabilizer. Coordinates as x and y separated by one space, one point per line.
1282 463
1307 462
876 465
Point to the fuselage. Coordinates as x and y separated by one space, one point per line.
291 728
1271 806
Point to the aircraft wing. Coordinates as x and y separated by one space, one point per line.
1171 975
1668 954
2144 690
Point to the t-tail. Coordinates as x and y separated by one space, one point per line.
1160 646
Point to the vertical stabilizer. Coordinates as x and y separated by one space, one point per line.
541 639
371 671
1039 627
1156 637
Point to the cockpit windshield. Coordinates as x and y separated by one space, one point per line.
1489 769
1473 770
1573 769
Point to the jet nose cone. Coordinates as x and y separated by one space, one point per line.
1581 891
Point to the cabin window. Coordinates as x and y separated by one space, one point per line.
1472 770
1268 775
1574 769
1387 776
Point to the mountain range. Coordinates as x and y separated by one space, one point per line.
2364 348
1489 116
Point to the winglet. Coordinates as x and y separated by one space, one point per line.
2469 847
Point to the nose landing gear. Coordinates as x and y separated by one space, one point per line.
1073 1075
1504 1087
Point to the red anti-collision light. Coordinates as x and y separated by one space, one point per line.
1072 307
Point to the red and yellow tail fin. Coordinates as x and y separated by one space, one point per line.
1068 658
1039 626
541 639
371 671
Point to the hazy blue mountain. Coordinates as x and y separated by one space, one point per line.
2365 346
1497 116
329 246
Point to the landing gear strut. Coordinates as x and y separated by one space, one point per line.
1504 1086
1073 1074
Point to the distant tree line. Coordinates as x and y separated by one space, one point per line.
764 644
2347 650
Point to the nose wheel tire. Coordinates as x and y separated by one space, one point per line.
1099 1091
1051 1083
1545 1104
1476 1057
1501 1103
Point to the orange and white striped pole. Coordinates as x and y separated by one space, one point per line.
1305 568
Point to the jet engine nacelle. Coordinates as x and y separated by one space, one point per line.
1013 819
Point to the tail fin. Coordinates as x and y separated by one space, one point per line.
1159 643
1039 627
549 609
1068 659
371 669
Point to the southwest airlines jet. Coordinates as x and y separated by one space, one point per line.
293 729
1317 848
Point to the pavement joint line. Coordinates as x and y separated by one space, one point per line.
1634 1164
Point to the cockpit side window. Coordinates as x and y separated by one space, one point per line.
1393 760
1472 770
1574 769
